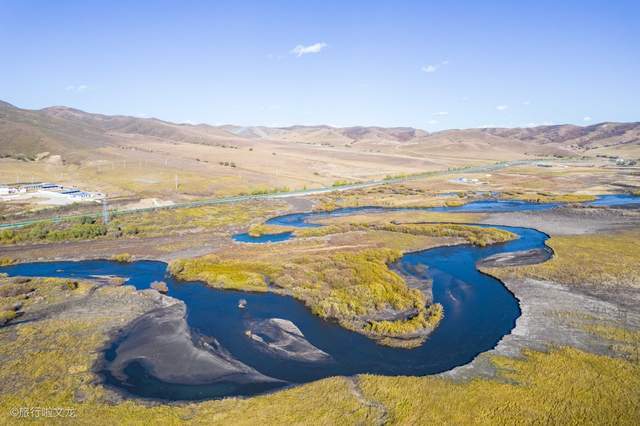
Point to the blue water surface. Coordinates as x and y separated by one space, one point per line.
478 311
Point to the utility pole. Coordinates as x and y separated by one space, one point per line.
105 211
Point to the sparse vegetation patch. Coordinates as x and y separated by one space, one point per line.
592 259
546 197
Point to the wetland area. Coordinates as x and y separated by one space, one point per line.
206 346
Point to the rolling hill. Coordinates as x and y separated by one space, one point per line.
130 155
73 134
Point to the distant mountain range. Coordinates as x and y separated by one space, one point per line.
76 134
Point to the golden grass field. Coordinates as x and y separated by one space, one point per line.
608 260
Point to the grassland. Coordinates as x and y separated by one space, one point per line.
547 197
394 195
229 274
472 234
569 182
403 216
593 259
564 386
414 194
349 287
344 286
18 295
566 181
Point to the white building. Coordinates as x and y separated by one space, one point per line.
48 193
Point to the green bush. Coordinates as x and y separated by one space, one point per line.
48 231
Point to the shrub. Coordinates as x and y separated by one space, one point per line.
474 234
7 315
231 274
6 261
122 258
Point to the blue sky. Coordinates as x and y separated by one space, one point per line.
432 65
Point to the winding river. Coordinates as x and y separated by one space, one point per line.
478 309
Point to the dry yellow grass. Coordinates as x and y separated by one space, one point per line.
472 234
411 216
547 197
6 261
565 386
122 258
230 274
344 286
409 194
593 259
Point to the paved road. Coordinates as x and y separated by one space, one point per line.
276 195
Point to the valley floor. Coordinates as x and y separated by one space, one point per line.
573 357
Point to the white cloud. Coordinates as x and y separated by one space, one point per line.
300 50
79 88
587 118
434 67
432 121
526 103
502 107
441 113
